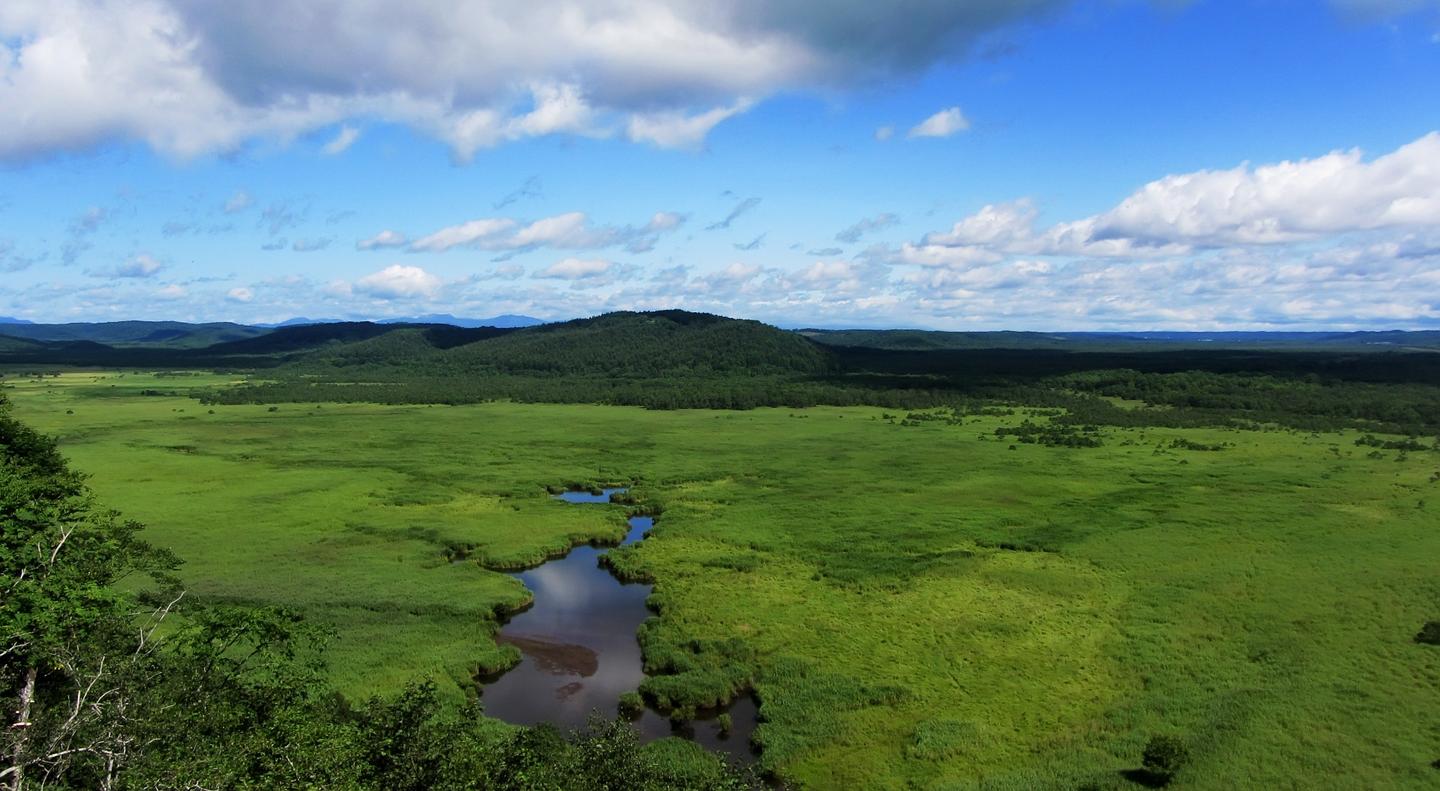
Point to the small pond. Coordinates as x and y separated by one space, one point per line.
579 650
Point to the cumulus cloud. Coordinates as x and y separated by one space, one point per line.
193 76
942 124
576 269
994 226
172 291
398 282
386 238
1337 239
240 294
1283 203
1286 201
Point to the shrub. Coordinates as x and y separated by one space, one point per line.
1429 634
1164 755
631 705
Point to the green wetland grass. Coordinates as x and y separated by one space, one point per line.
915 606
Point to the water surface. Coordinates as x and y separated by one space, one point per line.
579 650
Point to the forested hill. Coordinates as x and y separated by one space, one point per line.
670 343
935 340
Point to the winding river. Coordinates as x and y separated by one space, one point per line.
579 650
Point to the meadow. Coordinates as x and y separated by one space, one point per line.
915 603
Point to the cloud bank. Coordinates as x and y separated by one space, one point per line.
194 76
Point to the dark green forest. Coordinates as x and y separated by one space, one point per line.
677 359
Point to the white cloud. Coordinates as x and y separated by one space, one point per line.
679 129
240 294
569 231
141 266
188 77
1285 202
936 255
996 225
828 272
942 124
343 139
1332 241
468 233
664 221
737 272
884 133
576 269
562 230
386 238
558 108
398 282
172 291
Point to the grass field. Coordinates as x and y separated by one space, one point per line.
920 606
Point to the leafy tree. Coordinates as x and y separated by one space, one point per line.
73 640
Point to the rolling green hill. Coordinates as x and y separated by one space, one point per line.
623 345
662 343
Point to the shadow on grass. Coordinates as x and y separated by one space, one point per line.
1147 778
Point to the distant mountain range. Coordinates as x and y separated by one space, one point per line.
164 334
504 320
183 335
445 330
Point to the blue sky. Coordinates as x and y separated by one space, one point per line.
1033 165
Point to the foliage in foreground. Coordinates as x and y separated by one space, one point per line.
107 687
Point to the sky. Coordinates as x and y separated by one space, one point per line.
1024 165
